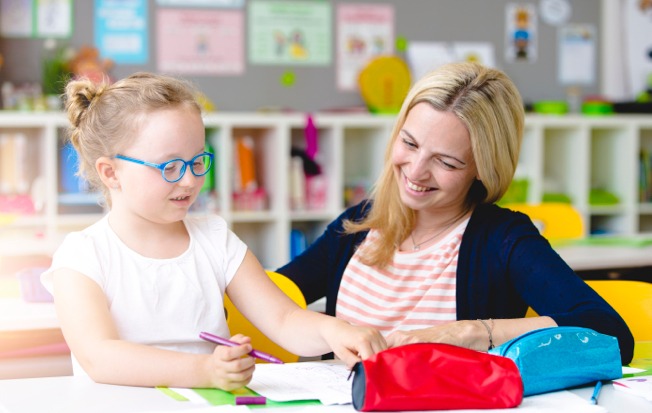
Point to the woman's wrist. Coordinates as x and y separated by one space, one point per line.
488 326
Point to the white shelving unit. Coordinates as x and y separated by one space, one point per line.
566 154
575 154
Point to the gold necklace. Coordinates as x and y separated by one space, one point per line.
417 247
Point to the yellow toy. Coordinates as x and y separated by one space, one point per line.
384 83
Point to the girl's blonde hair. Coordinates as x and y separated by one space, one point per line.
489 105
105 117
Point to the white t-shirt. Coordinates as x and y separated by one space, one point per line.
160 302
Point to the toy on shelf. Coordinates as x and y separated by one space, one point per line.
59 65
599 196
646 95
384 83
308 183
86 63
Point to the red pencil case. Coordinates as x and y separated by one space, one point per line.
435 376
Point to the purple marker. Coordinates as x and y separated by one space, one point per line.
250 400
254 353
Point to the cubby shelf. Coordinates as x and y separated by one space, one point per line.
570 155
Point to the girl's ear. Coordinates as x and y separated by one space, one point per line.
105 168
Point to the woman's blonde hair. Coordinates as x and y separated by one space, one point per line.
104 117
489 105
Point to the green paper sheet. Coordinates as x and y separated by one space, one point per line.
217 397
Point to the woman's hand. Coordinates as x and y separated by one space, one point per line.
351 343
231 368
471 333
465 333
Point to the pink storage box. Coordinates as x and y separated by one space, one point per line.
31 288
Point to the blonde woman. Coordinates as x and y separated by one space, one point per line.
430 257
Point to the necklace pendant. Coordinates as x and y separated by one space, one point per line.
416 248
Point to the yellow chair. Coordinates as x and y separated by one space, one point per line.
555 220
631 299
239 324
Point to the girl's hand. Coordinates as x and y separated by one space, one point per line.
231 368
351 343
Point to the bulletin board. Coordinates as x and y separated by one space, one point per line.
313 87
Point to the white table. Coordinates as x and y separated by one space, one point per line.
18 315
70 394
594 257
31 329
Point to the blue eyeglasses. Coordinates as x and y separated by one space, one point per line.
173 170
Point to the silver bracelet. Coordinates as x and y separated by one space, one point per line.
490 331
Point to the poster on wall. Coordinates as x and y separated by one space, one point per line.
200 42
53 18
577 55
36 18
520 32
426 56
363 32
638 45
479 52
16 18
422 57
121 30
289 32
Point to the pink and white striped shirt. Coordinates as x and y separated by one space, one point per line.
417 290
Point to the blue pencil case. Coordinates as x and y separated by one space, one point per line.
557 358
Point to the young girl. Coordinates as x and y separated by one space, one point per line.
134 290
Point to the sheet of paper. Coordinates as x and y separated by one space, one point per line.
557 402
289 33
426 56
364 31
318 380
632 370
200 42
577 55
212 409
189 394
640 386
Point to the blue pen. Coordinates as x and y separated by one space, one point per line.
254 353
596 392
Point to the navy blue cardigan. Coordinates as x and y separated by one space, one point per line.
504 266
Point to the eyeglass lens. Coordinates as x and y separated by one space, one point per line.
174 170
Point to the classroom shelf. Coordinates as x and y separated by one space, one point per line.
572 156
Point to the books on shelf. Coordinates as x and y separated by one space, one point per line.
14 164
16 170
645 176
247 194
